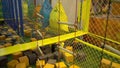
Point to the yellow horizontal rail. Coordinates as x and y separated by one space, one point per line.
31 45
98 36
99 49
1 19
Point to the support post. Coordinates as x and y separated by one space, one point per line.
84 16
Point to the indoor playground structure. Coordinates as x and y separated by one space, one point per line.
59 34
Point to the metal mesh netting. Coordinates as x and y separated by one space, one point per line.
103 31
85 56
92 50
106 22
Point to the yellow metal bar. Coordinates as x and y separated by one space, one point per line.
99 49
98 36
1 19
31 45
62 37
85 15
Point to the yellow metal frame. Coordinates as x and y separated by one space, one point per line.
31 45
98 36
86 15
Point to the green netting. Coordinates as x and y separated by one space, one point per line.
90 57
86 57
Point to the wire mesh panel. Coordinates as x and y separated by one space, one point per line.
104 29
101 58
87 57
105 23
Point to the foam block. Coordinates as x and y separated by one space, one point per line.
8 40
105 63
32 58
69 48
27 52
40 63
25 60
2 37
17 55
3 61
21 65
7 44
14 41
12 64
13 32
8 34
36 51
4 33
36 10
16 37
29 67
5 28
60 65
51 61
27 32
46 49
74 66
49 66
27 27
115 65
68 57
10 30
33 39
1 46
2 42
37 27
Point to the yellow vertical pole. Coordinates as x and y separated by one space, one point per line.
85 15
